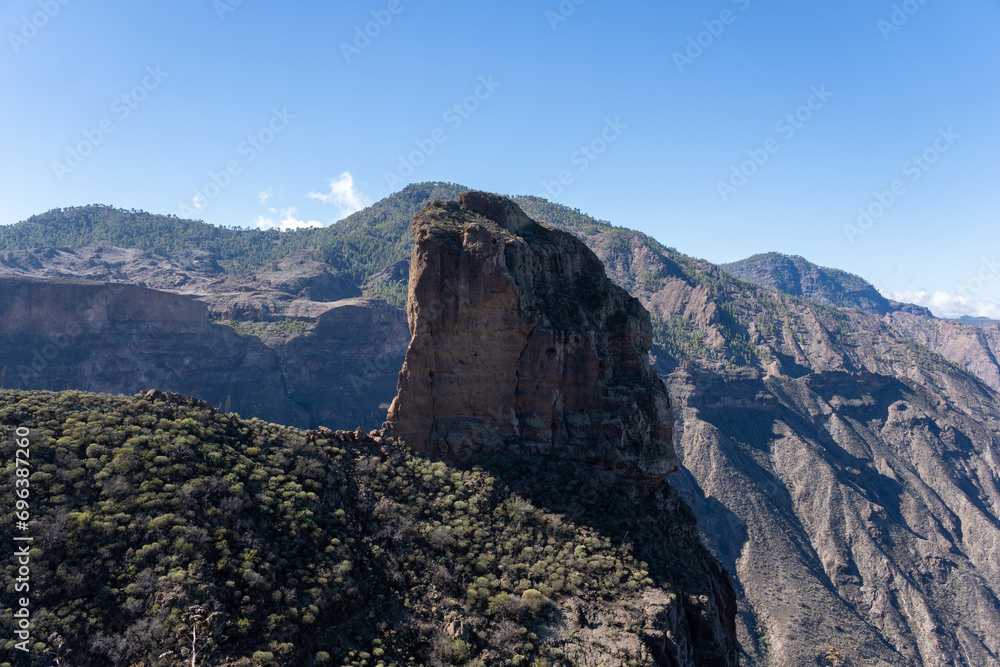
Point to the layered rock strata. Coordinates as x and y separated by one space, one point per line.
59 333
522 343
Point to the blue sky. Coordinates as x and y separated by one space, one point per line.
722 128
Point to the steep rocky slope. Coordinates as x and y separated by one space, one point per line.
977 349
971 343
119 338
847 476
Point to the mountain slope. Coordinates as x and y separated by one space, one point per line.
315 548
81 226
973 344
845 474
798 277
362 244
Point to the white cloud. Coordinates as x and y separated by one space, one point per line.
945 304
288 221
344 195
198 202
264 195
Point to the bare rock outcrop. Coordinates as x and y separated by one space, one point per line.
521 342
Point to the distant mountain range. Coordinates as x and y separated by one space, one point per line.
795 276
976 321
838 448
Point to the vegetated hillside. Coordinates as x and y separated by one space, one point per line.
80 226
331 548
360 245
798 277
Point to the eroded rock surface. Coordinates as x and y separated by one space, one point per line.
520 341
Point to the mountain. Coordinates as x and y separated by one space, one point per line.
841 469
842 472
973 343
257 544
796 276
360 246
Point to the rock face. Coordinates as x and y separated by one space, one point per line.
339 370
343 372
116 338
976 348
520 341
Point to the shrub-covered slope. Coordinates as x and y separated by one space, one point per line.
332 548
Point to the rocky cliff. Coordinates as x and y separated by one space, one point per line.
975 348
528 360
520 342
121 338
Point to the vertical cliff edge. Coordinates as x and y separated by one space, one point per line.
521 343
526 359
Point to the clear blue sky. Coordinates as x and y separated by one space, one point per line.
673 127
